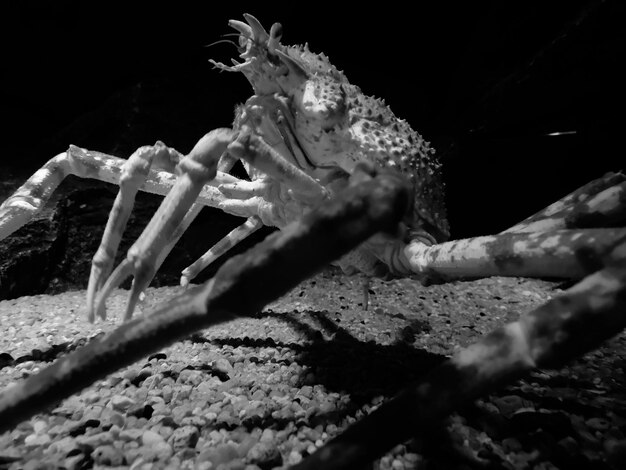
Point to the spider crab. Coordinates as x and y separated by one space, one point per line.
347 181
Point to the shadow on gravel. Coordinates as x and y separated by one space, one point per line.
341 362
49 354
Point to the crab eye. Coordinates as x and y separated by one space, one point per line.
273 59
276 32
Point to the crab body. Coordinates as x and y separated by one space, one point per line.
308 111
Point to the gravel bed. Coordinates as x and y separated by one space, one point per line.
265 392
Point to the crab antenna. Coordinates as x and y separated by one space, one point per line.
220 41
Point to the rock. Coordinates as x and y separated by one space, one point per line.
181 393
185 436
267 435
107 455
109 417
181 411
81 427
38 247
158 451
40 426
132 434
294 458
95 440
217 455
140 411
265 455
508 404
598 424
190 377
36 440
151 438
121 402
78 462
223 368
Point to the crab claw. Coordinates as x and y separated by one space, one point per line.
145 256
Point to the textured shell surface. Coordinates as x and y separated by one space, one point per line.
326 124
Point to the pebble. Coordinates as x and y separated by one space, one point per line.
78 462
267 435
91 397
40 426
35 440
222 365
107 455
508 404
181 411
598 424
294 458
185 436
151 438
64 446
265 455
114 379
190 377
142 375
162 451
113 418
166 432
167 393
182 393
95 440
217 455
121 402
132 434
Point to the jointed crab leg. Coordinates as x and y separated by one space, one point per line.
149 169
267 271
263 157
197 169
35 192
551 243
134 174
565 254
561 330
229 241
599 203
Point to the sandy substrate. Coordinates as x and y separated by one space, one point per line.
265 392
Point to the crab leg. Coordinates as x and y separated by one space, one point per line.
225 244
248 197
566 254
198 168
267 271
564 328
551 243
262 156
32 196
599 203
134 173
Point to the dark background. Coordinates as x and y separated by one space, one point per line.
484 82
